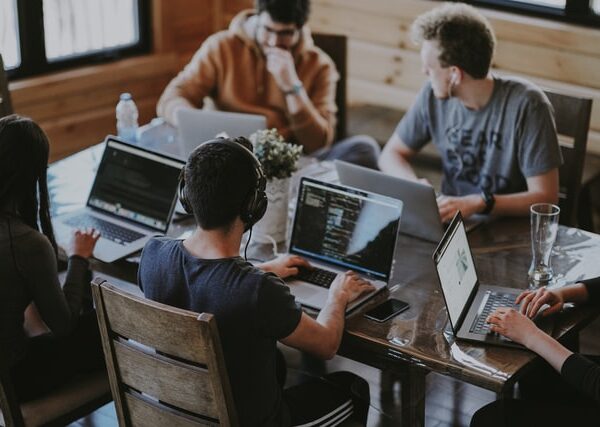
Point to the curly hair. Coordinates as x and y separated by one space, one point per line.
465 38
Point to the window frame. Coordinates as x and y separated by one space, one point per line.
32 48
576 11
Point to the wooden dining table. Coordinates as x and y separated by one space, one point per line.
419 340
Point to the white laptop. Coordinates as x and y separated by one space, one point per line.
338 229
468 302
198 126
420 217
131 200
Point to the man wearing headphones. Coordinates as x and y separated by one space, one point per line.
496 135
223 186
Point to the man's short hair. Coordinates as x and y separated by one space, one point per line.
285 11
218 180
464 36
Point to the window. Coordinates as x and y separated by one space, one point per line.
47 35
9 34
585 12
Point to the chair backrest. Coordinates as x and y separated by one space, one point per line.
335 45
67 403
165 365
5 103
572 116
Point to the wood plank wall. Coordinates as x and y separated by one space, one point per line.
77 107
384 66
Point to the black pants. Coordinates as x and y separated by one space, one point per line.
51 362
328 400
547 400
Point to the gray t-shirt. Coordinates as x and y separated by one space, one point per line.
495 148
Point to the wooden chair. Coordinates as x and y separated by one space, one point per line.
165 365
335 46
63 406
572 117
5 103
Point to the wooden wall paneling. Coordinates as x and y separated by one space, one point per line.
384 65
232 8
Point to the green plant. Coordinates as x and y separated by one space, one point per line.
277 157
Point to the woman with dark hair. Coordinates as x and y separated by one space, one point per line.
29 288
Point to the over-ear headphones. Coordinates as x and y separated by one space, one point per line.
254 206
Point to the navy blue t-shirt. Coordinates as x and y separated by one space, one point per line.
253 310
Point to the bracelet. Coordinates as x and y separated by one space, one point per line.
295 90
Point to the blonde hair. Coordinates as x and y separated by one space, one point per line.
464 37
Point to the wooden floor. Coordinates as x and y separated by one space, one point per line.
448 402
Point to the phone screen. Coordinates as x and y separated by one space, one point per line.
387 310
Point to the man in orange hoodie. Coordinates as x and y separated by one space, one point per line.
266 63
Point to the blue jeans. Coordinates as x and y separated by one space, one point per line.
360 150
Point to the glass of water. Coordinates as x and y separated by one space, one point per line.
544 226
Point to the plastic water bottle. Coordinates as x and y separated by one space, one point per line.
127 118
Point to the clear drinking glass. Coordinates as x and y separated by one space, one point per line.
544 226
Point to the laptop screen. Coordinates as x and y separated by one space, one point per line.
456 269
350 228
136 185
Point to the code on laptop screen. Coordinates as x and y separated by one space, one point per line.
346 227
135 185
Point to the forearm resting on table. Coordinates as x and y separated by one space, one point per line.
394 159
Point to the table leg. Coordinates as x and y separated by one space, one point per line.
413 396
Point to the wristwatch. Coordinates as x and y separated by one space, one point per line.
489 200
295 90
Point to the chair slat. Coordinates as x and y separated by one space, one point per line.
144 412
136 318
184 386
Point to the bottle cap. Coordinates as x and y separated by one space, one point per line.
125 96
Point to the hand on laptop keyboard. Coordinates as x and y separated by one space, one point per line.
83 242
513 325
533 302
285 265
349 285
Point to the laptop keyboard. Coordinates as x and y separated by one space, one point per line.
108 230
316 276
491 302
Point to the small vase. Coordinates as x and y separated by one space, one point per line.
274 224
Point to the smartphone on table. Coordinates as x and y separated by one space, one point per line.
386 310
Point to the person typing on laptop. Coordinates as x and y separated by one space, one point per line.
266 63
48 333
496 135
571 399
223 186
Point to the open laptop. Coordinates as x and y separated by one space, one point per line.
420 217
338 229
468 302
198 126
131 200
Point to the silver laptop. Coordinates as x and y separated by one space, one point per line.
338 229
420 217
198 126
468 302
131 200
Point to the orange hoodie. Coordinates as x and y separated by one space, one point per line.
230 68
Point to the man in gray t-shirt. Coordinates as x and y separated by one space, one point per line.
496 136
